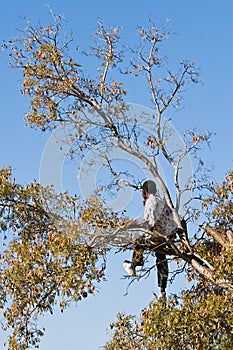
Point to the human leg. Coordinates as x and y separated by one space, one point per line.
162 270
137 259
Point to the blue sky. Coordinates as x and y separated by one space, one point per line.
203 32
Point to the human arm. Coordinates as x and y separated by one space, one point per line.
152 212
138 223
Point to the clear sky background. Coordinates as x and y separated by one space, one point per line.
203 32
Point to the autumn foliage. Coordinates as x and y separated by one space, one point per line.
54 246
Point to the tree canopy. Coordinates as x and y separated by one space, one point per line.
56 244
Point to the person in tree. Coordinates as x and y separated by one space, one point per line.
157 216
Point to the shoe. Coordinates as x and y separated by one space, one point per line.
129 268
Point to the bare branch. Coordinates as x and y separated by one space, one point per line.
215 235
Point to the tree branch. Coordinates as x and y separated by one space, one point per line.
215 235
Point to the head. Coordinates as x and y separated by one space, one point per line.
149 187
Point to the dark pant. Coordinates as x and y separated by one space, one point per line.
161 263
162 270
137 259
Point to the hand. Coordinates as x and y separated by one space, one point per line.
128 224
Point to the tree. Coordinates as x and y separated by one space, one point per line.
63 231
200 318
42 264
